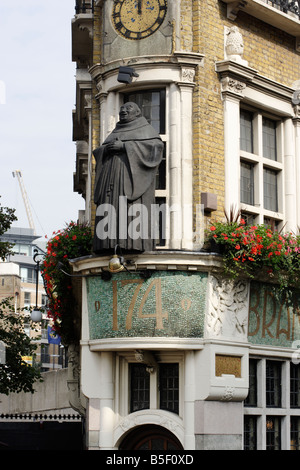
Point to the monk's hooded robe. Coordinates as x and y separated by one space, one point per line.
129 174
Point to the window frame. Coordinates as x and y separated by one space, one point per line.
122 382
260 163
261 413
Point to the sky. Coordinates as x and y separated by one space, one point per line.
37 96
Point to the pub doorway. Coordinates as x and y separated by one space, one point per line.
150 437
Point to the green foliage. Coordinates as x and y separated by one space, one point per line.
15 374
72 242
249 249
7 217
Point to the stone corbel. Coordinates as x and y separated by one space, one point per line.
233 9
73 381
296 104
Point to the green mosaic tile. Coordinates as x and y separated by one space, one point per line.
273 319
169 304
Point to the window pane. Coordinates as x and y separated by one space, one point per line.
271 223
140 387
250 434
273 384
273 433
295 385
169 387
270 190
246 134
247 183
152 105
251 399
248 218
161 172
295 433
269 139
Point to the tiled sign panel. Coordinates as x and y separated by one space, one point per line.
169 304
274 319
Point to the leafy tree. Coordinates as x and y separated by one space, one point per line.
15 374
7 217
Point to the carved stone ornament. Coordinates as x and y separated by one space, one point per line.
73 381
230 85
296 97
234 46
188 75
227 315
229 394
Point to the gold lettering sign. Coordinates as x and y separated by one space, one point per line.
166 304
228 365
273 319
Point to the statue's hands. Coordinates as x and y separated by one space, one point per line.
115 146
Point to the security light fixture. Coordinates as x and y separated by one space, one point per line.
125 74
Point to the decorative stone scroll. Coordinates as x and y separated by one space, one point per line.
227 315
232 85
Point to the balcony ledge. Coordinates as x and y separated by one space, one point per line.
288 22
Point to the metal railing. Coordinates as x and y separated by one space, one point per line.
286 6
84 6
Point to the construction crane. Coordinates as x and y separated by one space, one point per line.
18 175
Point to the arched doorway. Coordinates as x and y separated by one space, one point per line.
150 437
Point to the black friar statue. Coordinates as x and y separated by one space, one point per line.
126 167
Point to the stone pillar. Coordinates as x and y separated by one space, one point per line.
290 177
189 404
218 425
231 149
186 89
297 160
175 229
106 401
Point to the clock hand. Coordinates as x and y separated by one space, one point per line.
139 7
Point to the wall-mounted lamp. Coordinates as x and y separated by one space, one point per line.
125 74
116 264
147 358
36 314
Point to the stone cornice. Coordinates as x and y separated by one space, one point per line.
235 77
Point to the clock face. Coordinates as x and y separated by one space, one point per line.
138 19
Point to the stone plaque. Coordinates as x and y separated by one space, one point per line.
228 365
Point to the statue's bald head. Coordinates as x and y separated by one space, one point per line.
129 111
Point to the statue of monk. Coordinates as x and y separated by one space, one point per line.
126 167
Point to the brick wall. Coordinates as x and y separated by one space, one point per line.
268 50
